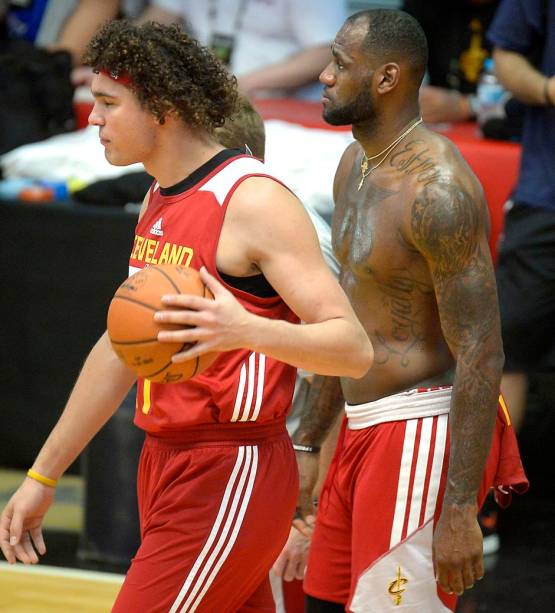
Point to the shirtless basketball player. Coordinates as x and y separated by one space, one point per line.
410 231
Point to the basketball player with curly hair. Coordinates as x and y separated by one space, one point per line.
217 477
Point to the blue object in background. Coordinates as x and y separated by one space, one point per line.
10 188
24 23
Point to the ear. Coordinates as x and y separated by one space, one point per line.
387 77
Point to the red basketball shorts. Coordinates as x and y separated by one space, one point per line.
372 546
214 517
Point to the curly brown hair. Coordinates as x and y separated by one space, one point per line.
169 71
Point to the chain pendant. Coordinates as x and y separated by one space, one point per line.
364 165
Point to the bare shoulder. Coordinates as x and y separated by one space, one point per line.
447 213
428 157
262 196
263 211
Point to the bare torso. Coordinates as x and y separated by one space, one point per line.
384 275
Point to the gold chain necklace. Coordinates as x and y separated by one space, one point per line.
365 171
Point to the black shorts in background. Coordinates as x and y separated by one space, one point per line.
526 285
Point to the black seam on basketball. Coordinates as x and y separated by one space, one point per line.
196 367
168 278
144 304
153 374
146 340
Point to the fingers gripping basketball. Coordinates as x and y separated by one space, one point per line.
133 331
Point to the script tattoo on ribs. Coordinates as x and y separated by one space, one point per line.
399 297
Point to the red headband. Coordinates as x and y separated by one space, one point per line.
123 77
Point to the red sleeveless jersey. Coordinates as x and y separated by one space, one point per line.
182 226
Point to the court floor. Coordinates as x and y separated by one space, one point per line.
47 589
519 579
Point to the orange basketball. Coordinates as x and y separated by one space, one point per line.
133 331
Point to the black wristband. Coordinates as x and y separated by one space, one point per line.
547 97
306 448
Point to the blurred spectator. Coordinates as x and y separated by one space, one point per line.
524 29
56 25
457 49
276 46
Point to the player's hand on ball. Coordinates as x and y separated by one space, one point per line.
213 325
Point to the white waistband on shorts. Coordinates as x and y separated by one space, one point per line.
410 404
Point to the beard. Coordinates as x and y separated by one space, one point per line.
361 109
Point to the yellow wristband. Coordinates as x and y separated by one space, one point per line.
41 479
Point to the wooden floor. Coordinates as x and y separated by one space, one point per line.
48 589
35 589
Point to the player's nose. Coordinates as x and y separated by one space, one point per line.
326 76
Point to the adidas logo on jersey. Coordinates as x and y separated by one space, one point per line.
157 228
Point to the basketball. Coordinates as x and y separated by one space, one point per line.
134 333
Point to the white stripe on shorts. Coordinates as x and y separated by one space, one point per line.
196 584
417 501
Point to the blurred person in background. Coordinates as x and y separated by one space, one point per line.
526 266
54 25
277 47
456 33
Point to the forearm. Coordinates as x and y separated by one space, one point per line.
335 347
295 71
523 80
155 13
472 418
98 392
324 403
82 24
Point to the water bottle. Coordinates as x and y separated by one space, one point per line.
492 96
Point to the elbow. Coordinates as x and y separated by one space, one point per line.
365 359
502 65
493 362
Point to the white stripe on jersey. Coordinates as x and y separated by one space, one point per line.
250 387
240 391
252 375
260 386
221 183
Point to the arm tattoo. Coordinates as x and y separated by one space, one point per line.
447 228
324 403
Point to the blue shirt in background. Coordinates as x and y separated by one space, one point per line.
520 26
24 22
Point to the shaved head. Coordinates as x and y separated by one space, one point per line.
393 36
